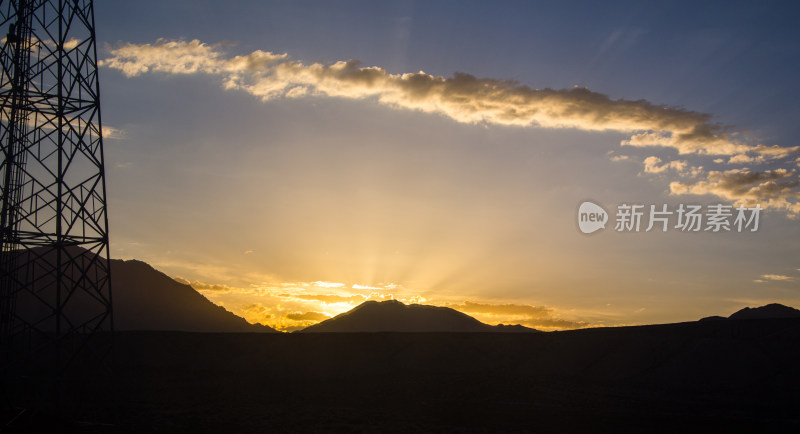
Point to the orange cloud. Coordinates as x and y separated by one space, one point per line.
200 286
777 277
539 317
287 306
772 189
654 165
308 316
462 97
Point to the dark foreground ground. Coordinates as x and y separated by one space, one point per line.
715 376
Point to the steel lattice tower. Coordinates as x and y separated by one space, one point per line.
55 293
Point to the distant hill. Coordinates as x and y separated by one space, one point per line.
394 316
769 311
773 310
147 299
143 299
713 318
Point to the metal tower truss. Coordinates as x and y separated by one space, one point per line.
55 299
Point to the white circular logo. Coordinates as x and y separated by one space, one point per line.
591 217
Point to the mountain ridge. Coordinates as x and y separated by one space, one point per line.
178 306
767 311
148 299
142 297
395 316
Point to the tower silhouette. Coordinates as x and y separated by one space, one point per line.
55 291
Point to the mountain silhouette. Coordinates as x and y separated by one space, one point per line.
147 299
773 310
394 316
143 299
769 311
713 318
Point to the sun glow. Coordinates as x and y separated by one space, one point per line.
290 306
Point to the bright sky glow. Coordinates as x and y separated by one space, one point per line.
250 155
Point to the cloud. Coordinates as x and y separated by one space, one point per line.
308 316
322 284
462 97
772 189
776 151
653 165
200 286
255 313
328 298
287 307
75 124
744 159
112 132
533 316
776 277
468 99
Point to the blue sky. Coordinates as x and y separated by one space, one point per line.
227 187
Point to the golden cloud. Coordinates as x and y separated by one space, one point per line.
200 286
777 277
287 307
462 97
307 316
654 165
329 298
538 317
772 189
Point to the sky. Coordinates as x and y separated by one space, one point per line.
290 160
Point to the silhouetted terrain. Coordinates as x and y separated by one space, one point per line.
143 299
373 371
394 316
147 299
773 310
713 318
714 376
